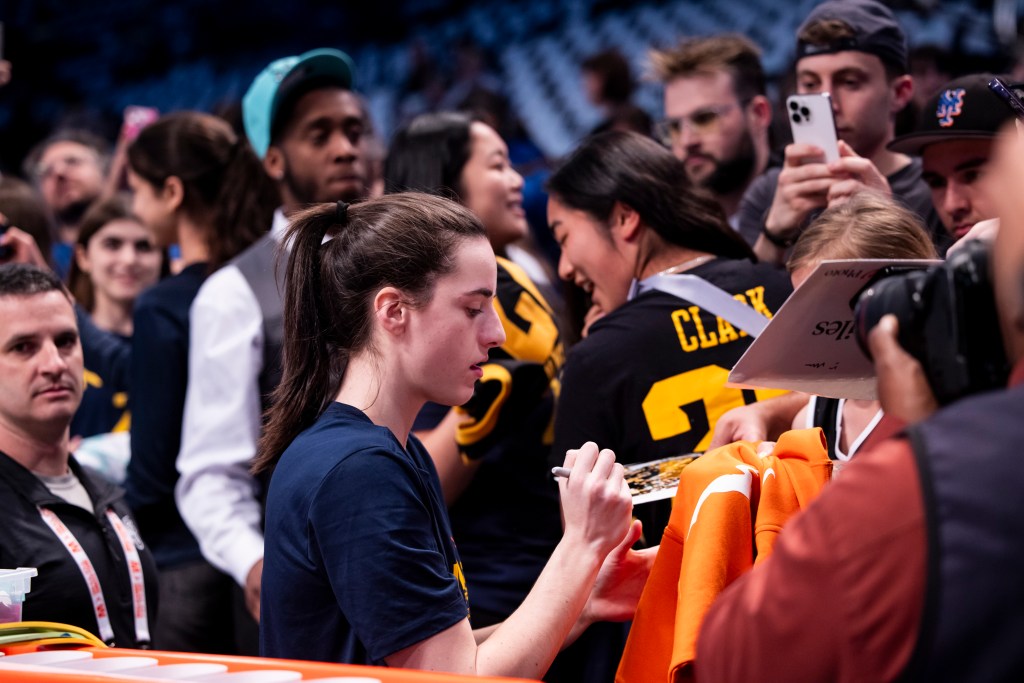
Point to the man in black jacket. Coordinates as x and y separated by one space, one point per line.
70 524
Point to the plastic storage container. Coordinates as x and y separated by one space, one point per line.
14 584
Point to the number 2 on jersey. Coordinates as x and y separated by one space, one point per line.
669 405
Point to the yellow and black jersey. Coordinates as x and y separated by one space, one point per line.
507 521
104 406
521 372
649 380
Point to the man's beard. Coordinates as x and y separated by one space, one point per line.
306 191
733 174
73 212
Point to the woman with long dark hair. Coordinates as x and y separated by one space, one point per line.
198 185
392 310
649 379
491 453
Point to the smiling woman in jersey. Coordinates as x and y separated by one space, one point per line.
649 379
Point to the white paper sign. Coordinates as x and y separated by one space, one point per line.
810 344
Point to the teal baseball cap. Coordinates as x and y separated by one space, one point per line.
261 101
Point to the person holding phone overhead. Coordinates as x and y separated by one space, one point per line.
388 305
954 136
856 51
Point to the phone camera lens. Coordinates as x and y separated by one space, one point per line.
793 106
806 112
797 118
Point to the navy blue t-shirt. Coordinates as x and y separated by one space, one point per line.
107 356
359 561
159 378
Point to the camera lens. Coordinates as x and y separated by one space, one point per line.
797 118
947 321
806 112
899 293
793 106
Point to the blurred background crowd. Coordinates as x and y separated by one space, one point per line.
80 64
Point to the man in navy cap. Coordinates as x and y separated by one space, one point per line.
856 51
303 119
954 138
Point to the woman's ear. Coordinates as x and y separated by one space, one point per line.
82 258
173 193
391 310
625 222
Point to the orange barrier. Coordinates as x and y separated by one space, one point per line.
50 660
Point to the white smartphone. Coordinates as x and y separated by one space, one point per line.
811 120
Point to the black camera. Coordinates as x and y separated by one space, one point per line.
947 321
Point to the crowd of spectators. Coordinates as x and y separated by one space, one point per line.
282 386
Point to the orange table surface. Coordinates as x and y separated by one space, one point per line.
310 671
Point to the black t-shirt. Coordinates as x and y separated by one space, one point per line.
359 560
649 380
907 186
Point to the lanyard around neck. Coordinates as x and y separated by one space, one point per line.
92 580
707 296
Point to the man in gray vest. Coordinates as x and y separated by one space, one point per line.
308 127
908 567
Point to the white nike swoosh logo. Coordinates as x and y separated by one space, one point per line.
738 483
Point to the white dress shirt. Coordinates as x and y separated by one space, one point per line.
216 495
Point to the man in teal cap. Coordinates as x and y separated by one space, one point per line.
307 125
309 128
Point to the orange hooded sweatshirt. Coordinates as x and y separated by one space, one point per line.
728 510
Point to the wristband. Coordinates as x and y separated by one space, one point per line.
780 242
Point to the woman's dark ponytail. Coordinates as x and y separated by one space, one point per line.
226 188
312 365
